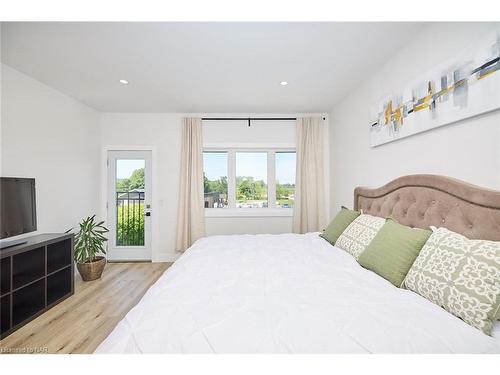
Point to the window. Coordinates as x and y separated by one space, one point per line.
130 191
215 179
285 179
249 179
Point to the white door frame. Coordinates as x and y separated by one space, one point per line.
154 201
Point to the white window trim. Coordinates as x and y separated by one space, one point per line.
248 212
232 210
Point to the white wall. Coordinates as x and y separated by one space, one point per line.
468 150
55 139
163 132
261 133
248 225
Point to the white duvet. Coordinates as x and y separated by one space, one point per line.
285 294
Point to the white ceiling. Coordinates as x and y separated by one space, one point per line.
203 67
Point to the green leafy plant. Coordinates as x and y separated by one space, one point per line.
130 225
89 240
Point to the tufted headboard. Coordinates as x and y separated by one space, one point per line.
424 200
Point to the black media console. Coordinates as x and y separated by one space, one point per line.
35 276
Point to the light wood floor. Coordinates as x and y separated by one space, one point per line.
81 322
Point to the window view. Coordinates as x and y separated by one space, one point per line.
251 179
248 179
130 202
215 179
285 179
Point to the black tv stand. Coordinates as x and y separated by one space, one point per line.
35 276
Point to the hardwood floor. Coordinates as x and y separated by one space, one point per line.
80 323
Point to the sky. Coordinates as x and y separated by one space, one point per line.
125 167
285 167
215 164
250 164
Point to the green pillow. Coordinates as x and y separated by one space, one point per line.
393 250
339 224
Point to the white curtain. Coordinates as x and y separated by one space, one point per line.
309 208
191 216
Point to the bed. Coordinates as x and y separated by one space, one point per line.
294 293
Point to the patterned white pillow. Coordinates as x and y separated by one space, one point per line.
460 275
358 235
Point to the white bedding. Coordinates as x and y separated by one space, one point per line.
285 294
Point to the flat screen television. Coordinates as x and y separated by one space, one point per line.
17 206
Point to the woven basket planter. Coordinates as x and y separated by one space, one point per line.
92 270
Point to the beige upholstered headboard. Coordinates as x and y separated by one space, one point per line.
425 200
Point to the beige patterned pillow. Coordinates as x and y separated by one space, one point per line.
358 235
460 275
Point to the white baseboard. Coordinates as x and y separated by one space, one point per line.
165 257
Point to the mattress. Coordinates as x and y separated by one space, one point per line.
285 293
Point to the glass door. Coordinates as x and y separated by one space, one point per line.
129 205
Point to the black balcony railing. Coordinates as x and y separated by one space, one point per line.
130 218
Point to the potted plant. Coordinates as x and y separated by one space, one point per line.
89 243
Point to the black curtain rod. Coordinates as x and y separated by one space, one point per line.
250 118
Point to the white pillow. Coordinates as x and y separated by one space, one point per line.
358 235
460 275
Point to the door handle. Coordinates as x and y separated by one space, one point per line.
147 214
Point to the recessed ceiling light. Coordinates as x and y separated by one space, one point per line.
123 81
283 83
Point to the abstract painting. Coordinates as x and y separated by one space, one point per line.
463 87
